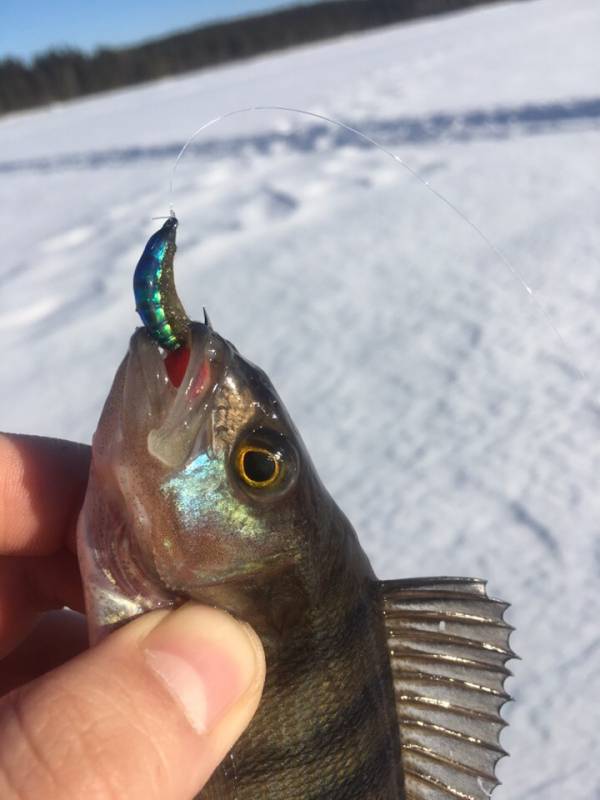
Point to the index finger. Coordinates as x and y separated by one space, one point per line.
42 484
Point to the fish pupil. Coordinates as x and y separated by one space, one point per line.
259 467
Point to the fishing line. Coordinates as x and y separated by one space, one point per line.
508 265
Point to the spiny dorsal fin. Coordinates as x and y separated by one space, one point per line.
448 646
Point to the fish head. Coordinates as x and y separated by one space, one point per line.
201 490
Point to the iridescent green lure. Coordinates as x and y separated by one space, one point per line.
156 299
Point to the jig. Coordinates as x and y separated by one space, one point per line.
156 298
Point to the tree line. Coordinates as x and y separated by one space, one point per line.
68 73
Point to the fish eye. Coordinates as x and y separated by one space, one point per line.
258 467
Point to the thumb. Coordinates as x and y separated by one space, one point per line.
149 713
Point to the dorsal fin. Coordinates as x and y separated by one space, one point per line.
448 646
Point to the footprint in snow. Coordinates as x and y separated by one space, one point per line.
68 239
268 205
29 314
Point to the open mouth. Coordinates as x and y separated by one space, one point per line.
187 368
177 390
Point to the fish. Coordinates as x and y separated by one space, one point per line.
202 489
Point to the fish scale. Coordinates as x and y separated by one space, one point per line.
324 727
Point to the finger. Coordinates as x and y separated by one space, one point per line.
57 637
30 585
147 714
42 483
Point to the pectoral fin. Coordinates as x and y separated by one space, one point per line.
448 645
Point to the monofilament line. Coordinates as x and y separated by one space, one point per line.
454 208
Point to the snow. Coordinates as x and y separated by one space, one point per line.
443 411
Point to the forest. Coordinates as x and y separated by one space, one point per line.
63 74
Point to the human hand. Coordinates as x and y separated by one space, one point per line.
150 711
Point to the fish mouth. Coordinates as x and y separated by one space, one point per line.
169 394
184 410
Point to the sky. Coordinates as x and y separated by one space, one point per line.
28 27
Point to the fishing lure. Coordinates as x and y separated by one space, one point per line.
375 690
156 298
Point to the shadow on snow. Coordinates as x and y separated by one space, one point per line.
497 123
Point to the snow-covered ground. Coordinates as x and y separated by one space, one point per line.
440 406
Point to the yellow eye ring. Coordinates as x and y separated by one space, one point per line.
253 464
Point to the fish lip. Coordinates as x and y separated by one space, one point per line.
145 357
